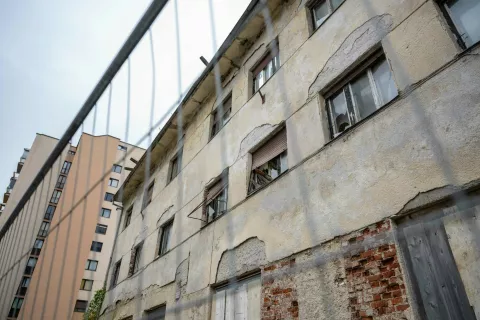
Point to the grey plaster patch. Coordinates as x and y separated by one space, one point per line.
181 279
357 44
254 137
245 257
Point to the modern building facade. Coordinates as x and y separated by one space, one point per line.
70 247
335 176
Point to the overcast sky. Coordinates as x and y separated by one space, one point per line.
53 53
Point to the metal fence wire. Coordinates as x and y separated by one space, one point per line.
18 235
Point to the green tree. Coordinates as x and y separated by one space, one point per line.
93 311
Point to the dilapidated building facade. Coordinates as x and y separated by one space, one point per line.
330 173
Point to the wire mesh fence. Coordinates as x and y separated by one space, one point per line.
60 243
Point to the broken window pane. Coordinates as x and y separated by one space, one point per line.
384 81
363 96
339 111
320 13
465 15
336 3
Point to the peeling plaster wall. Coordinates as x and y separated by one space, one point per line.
332 187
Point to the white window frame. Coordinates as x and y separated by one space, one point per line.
347 85
331 10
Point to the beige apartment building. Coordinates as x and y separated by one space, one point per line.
71 244
335 176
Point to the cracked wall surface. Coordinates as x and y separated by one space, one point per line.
332 187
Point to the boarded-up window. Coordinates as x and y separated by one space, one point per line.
239 302
155 314
269 161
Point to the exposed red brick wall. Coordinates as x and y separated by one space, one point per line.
279 295
374 279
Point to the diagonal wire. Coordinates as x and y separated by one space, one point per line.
223 161
128 153
180 186
65 245
31 217
85 203
44 246
121 191
146 183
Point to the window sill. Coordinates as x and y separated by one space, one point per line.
266 185
354 126
162 255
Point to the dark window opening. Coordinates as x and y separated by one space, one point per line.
22 289
61 182
136 256
49 213
80 306
147 198
31 263
128 217
219 120
96 246
37 247
15 309
66 167
108 197
115 274
165 237
101 229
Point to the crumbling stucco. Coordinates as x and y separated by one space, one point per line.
248 256
356 45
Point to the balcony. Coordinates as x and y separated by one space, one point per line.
20 164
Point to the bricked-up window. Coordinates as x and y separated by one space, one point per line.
216 198
115 274
239 301
105 213
44 229
31 263
462 16
80 306
96 246
61 182
56 196
158 313
37 247
147 197
113 183
269 161
15 309
135 259
108 197
116 168
49 213
91 265
361 94
265 69
164 237
101 229
218 119
175 165
66 167
86 285
22 289
322 9
128 217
